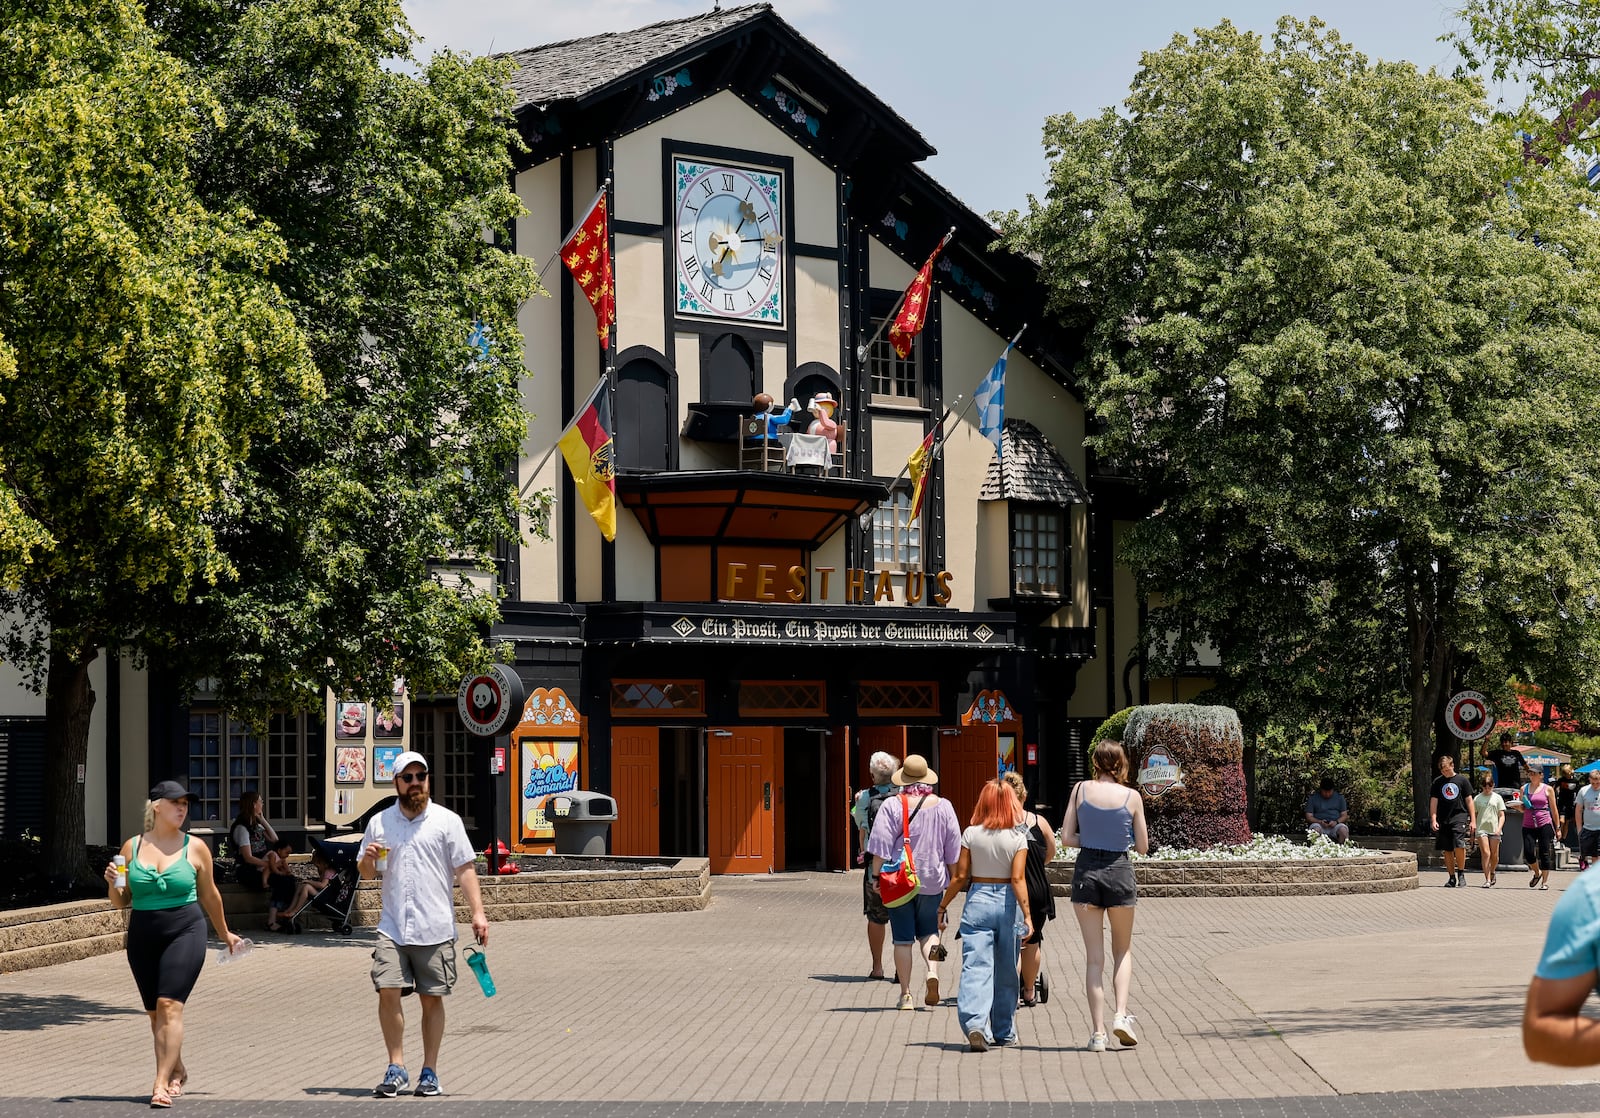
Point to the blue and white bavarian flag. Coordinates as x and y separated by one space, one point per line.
990 399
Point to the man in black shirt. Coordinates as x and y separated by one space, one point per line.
1453 817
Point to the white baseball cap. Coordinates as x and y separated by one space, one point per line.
409 757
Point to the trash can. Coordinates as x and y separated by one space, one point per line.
580 821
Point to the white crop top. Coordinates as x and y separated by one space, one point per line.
992 851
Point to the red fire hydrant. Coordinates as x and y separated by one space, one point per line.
499 860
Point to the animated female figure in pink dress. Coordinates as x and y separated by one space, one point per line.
822 407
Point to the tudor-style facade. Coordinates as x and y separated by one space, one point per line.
756 630
731 661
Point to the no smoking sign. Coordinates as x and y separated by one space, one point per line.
487 702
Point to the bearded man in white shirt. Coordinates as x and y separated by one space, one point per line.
421 849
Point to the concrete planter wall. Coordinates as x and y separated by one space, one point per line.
41 937
1363 872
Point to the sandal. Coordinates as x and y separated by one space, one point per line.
160 1101
1027 1002
179 1082
274 927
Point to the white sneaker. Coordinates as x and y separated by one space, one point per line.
1122 1026
1097 1042
906 1002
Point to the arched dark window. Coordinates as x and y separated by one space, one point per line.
645 439
814 377
730 370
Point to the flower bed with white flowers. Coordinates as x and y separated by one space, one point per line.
1266 866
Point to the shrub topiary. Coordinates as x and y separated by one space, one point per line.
1207 745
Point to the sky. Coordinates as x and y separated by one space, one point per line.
977 79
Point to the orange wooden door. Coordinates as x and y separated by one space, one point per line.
968 759
636 785
741 791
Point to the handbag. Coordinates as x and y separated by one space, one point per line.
898 881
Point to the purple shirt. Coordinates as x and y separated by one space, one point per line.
935 839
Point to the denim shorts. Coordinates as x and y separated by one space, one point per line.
917 919
1104 879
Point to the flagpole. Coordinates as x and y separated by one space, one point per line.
604 381
939 441
587 210
861 350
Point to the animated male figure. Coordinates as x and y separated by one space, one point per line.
776 420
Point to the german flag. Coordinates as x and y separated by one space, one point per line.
587 447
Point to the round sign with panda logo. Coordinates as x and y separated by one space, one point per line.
486 702
1468 715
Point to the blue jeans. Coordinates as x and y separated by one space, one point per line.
917 919
990 939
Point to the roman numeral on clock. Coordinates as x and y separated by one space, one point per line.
727 302
727 182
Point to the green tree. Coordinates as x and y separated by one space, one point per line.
143 354
385 182
1551 48
1345 336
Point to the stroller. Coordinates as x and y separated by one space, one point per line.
335 899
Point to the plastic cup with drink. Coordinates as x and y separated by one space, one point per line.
382 860
120 864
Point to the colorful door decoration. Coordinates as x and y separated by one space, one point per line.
994 709
547 745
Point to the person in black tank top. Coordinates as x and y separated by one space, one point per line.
1041 901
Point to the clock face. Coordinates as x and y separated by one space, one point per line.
729 242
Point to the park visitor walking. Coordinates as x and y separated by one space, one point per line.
1554 1027
864 812
1588 821
1041 901
1105 819
1539 813
1451 815
992 871
935 846
421 850
1489 815
168 880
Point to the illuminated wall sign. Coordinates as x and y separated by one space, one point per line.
767 584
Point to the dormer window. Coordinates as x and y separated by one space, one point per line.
1038 551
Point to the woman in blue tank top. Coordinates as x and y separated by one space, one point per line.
1104 820
169 883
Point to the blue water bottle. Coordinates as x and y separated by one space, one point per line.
479 962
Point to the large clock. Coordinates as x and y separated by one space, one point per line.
728 233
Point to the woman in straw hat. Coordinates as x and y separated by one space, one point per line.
935 847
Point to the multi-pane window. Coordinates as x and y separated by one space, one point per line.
226 760
896 538
894 377
285 767
437 733
224 764
1038 536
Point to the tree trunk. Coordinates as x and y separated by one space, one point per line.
68 703
1428 672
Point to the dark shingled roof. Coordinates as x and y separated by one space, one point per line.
558 71
1029 469
575 68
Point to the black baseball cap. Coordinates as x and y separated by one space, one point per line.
172 790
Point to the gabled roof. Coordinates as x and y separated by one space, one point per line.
1029 469
579 69
576 67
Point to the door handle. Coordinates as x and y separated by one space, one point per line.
766 796
655 797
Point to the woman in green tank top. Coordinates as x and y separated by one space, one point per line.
169 883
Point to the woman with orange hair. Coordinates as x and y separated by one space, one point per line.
994 917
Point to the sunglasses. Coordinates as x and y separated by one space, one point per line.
412 778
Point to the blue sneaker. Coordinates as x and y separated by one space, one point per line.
428 1083
395 1080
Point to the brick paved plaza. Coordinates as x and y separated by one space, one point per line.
1401 1003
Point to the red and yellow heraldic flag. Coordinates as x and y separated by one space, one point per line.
918 466
587 447
913 314
587 255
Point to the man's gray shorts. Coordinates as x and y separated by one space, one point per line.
429 969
